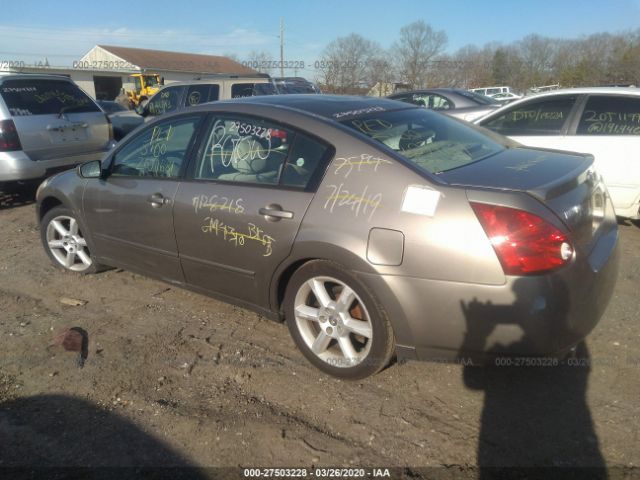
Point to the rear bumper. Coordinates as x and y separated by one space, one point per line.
18 166
534 316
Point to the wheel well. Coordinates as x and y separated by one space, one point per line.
47 204
283 281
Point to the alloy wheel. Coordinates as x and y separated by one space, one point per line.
67 245
333 321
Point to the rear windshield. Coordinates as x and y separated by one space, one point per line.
432 141
42 97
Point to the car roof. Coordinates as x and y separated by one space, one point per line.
32 76
335 107
589 90
423 90
207 81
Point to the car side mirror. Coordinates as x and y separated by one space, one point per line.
91 169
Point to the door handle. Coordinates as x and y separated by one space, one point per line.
157 200
275 212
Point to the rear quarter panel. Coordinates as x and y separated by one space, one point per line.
364 189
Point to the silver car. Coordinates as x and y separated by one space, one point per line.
47 123
456 102
370 226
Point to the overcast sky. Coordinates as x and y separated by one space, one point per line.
63 31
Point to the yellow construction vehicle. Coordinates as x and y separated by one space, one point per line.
146 84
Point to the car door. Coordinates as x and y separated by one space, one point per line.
609 129
539 122
129 211
237 214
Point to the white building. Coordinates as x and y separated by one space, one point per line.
105 69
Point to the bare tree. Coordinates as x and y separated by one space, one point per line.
381 72
417 46
419 59
260 61
346 63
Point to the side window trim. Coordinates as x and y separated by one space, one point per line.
188 152
571 126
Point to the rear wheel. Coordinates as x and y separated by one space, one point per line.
65 243
336 322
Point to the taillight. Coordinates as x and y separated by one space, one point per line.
9 140
525 243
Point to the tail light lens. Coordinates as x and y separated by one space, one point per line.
9 140
525 243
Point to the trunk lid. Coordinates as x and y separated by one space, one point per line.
565 182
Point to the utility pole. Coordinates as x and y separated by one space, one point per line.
281 47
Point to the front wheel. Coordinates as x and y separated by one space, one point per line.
336 322
64 242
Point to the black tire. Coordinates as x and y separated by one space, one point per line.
56 213
382 343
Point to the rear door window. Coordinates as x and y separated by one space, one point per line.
260 151
25 97
201 93
538 117
609 115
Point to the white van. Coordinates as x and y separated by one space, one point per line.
489 91
178 95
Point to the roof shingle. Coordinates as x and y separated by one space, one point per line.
178 62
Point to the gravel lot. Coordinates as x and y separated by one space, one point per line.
173 378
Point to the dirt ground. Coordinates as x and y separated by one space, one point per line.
173 378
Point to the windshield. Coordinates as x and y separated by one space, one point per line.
151 81
432 141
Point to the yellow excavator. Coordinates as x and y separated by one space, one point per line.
146 84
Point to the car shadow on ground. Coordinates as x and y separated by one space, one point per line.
625 222
59 436
534 418
17 195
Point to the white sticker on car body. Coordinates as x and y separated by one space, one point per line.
421 200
